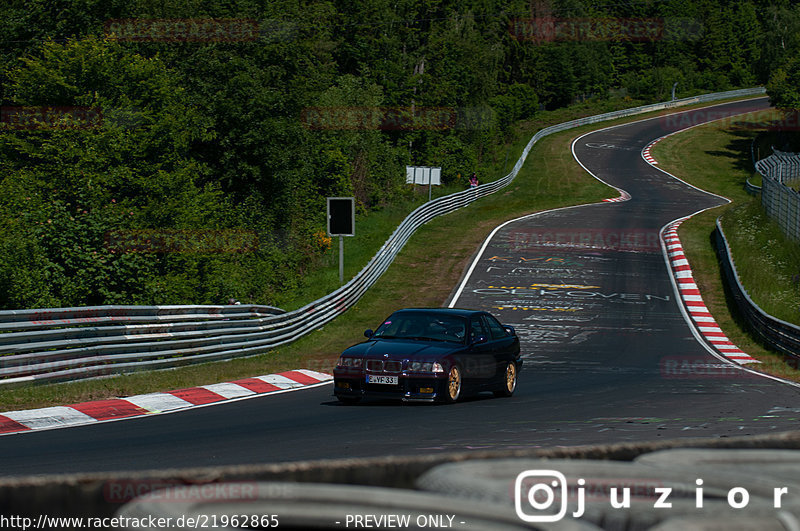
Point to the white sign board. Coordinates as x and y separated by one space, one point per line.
423 175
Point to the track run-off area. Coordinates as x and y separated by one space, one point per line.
605 339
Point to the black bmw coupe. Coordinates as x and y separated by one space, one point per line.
430 354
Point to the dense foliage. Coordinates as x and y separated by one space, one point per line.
236 137
783 28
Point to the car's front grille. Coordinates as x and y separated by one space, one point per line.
393 366
384 366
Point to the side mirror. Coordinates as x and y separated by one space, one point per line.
479 339
368 333
510 330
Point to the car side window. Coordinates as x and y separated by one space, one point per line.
476 328
496 330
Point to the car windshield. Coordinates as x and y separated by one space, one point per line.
423 326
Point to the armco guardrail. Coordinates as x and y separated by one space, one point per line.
72 343
751 188
779 335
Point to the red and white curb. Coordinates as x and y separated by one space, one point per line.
153 403
623 196
646 151
690 294
646 155
693 301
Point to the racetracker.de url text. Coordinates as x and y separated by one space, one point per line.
198 521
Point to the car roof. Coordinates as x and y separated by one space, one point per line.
461 312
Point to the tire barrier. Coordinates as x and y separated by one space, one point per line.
263 505
673 489
105 494
63 344
779 335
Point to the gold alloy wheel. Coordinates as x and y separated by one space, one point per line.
454 383
511 378
510 382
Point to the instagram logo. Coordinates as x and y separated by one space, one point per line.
538 493
539 490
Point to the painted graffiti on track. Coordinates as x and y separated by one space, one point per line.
555 261
573 294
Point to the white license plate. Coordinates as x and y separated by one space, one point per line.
378 379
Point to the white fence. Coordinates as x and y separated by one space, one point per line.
59 344
781 202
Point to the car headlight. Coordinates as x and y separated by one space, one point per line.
420 366
437 367
348 362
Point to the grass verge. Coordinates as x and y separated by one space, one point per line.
373 228
718 160
423 274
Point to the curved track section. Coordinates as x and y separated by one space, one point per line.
609 356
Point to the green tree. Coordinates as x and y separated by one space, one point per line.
784 86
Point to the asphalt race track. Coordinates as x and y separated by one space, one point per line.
605 347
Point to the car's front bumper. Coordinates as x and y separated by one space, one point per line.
418 387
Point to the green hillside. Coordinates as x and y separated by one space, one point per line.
179 152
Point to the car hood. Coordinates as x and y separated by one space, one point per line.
403 349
